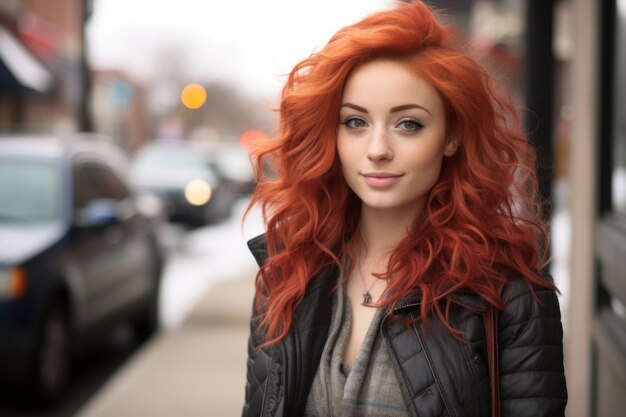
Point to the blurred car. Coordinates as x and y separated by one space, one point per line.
187 181
78 252
232 164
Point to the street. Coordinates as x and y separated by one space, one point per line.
196 260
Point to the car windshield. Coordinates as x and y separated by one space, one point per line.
29 192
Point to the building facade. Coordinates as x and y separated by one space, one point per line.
43 77
596 339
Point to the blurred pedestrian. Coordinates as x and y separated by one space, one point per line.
401 270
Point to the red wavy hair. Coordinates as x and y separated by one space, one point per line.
482 220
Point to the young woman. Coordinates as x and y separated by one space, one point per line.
401 210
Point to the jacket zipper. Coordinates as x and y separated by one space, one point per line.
428 360
430 365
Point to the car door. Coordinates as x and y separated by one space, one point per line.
111 258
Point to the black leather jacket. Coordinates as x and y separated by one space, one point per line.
439 375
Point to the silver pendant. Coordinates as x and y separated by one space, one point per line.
367 298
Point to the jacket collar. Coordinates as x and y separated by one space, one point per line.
258 247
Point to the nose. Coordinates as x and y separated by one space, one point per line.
379 148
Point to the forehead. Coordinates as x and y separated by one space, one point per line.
389 83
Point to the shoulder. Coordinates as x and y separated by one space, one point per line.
520 293
530 342
529 306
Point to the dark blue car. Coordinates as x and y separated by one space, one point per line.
78 251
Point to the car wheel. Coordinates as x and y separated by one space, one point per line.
147 322
53 356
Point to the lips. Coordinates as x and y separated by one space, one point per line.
381 179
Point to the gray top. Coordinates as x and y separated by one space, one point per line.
370 388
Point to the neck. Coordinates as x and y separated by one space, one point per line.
381 231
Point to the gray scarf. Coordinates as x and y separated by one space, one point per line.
370 388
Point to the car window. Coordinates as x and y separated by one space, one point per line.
94 181
30 191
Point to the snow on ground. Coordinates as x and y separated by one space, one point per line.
200 258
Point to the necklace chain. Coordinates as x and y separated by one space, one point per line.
367 297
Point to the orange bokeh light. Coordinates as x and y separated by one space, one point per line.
193 96
250 139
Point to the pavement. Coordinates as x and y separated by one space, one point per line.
197 369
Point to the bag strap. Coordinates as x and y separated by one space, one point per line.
490 319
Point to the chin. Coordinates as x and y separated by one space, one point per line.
389 206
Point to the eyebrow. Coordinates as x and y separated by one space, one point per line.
392 110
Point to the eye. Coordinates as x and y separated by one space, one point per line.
354 123
410 125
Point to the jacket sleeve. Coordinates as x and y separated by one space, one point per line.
257 370
258 359
530 337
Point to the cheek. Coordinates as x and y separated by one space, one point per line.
347 171
343 154
347 167
428 164
435 170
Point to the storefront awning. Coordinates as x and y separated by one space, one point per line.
18 65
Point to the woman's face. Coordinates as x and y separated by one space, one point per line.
391 138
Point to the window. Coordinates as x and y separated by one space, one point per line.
95 181
30 191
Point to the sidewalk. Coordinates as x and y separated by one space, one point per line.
197 369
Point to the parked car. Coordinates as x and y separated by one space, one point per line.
233 166
187 181
78 252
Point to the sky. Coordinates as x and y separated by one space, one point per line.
252 43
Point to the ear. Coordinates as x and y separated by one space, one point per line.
451 146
